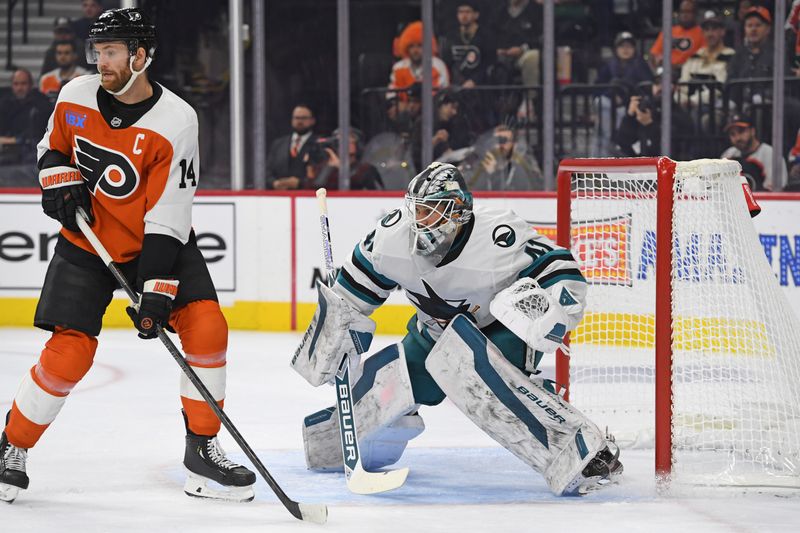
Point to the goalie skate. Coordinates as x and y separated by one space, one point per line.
603 469
12 470
212 475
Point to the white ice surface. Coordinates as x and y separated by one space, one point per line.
111 462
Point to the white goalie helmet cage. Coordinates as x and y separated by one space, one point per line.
437 202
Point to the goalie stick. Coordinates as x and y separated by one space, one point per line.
316 513
358 480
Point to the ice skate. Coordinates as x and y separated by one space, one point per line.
212 475
12 470
604 469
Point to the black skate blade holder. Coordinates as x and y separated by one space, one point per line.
317 513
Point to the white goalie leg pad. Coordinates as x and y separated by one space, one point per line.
385 415
534 424
337 330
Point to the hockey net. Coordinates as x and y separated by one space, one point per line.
701 362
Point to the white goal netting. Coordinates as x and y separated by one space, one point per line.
735 338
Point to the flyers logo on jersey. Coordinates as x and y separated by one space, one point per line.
105 170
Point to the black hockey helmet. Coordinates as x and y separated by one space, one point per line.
128 25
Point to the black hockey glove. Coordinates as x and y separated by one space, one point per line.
63 191
154 307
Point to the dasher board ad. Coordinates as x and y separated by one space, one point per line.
268 248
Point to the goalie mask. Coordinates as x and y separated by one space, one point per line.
437 204
128 26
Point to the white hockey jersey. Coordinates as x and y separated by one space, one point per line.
491 252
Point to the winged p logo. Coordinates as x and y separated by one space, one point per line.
105 170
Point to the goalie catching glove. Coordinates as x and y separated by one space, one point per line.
336 331
154 307
534 315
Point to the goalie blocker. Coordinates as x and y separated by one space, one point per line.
531 422
337 330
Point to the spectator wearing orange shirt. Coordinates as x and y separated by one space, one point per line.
67 60
687 37
407 71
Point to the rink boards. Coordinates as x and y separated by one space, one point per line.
264 251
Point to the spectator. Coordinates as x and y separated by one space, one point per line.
687 37
23 116
626 70
403 112
450 129
712 59
709 64
518 27
407 71
734 37
754 58
627 65
794 167
91 10
289 156
363 175
639 133
62 31
67 58
793 24
754 155
506 165
469 51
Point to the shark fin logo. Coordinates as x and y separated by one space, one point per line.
392 218
503 236
105 170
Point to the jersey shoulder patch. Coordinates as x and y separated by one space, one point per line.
391 233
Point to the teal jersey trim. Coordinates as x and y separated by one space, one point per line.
549 257
363 264
344 282
563 277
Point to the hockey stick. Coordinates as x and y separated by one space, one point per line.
358 480
316 513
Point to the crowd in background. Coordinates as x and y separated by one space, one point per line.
486 76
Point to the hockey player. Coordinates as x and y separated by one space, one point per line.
125 149
492 297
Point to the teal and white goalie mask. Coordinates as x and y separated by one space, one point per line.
437 204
